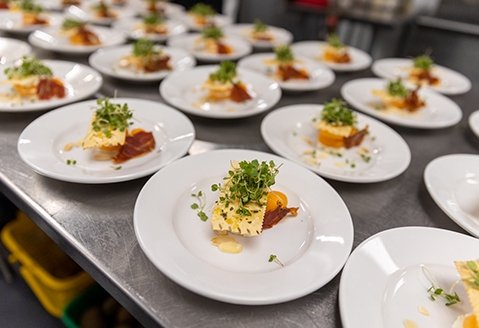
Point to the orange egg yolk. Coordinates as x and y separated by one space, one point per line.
275 199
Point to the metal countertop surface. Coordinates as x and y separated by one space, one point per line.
94 223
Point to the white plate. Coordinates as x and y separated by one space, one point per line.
107 62
280 35
53 39
452 82
383 284
184 91
80 81
188 42
219 21
86 13
474 122
312 246
289 131
439 112
11 50
321 76
129 27
313 50
453 183
11 22
41 143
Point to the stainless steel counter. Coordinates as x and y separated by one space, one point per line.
94 223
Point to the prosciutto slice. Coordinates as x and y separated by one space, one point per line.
135 145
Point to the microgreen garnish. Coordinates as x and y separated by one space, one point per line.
71 162
337 113
30 6
30 66
274 258
110 117
202 9
284 54
225 73
101 6
334 41
144 48
365 158
424 62
116 168
212 32
397 89
153 19
199 206
69 24
451 299
248 182
259 26
474 270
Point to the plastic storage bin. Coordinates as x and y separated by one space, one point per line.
54 278
73 312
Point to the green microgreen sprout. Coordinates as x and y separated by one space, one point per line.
71 162
225 73
30 6
284 54
153 19
334 41
69 24
144 48
423 62
110 117
202 9
259 26
337 113
274 258
436 292
397 89
212 32
199 206
30 66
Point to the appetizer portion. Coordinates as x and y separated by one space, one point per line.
286 68
109 137
4 4
202 14
261 32
246 203
146 58
32 80
397 96
152 24
66 3
103 11
224 84
335 51
469 273
79 34
421 72
32 13
337 126
211 41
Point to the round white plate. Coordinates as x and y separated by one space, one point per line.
453 183
289 132
41 143
188 42
80 81
86 13
452 82
320 76
129 27
474 122
11 50
313 50
11 22
219 21
383 284
280 35
53 39
107 62
184 91
312 246
439 112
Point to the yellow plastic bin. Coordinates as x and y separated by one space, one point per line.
53 277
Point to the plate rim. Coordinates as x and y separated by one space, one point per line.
232 300
270 144
113 179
